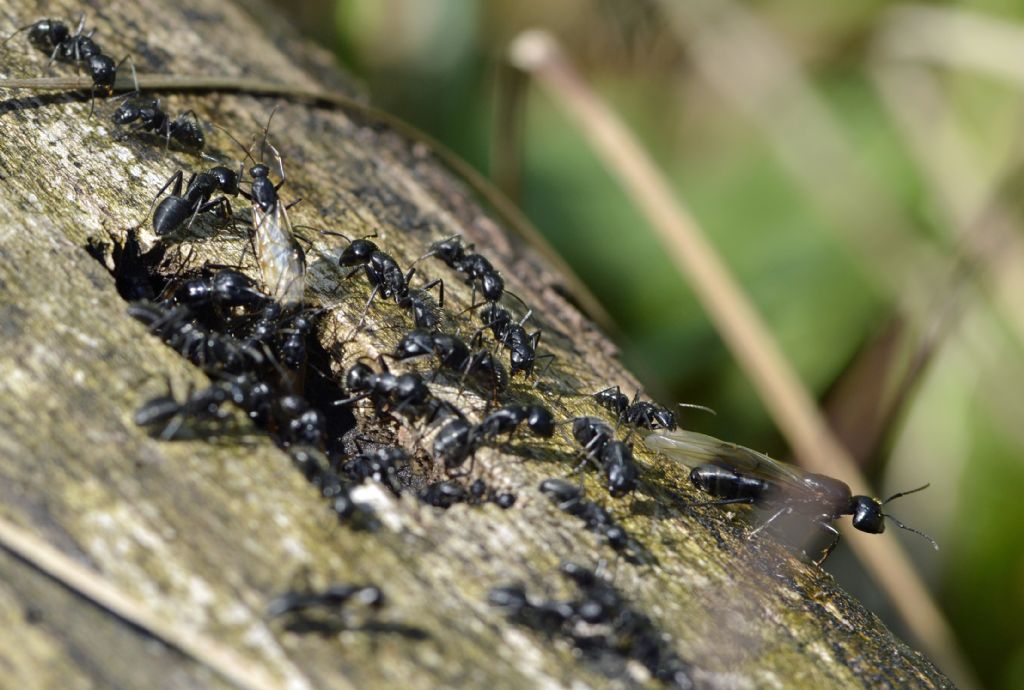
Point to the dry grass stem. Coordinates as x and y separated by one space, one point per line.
743 331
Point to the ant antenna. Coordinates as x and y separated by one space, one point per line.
135 80
333 233
248 151
518 299
704 408
906 493
16 32
911 529
266 133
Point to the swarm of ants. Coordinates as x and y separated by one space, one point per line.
256 340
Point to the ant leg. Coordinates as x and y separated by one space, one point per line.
135 81
828 549
366 309
440 284
722 502
779 513
175 180
551 360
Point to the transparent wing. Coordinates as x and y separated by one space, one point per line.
281 260
692 449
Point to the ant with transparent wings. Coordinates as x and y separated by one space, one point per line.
281 260
734 474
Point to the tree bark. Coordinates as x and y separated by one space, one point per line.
201 534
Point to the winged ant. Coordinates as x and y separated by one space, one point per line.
280 258
732 474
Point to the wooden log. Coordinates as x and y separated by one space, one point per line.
151 563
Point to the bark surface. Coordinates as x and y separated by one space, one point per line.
203 533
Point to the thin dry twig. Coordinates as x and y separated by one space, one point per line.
241 673
786 399
742 60
953 37
987 235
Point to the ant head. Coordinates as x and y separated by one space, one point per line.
128 111
358 377
540 420
662 418
103 70
48 32
867 514
492 285
358 252
227 179
259 170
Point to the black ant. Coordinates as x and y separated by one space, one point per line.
600 623
570 498
185 130
506 420
297 422
316 470
281 260
224 289
640 413
202 406
445 494
511 335
476 269
405 393
387 279
210 350
454 355
327 611
53 36
293 335
458 440
614 457
175 209
380 464
454 443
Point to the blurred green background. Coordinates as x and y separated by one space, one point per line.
835 246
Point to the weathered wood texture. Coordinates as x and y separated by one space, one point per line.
204 533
